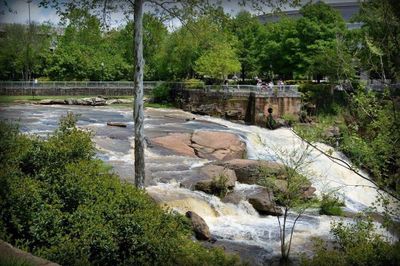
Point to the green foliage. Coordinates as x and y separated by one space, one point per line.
59 202
23 51
355 244
161 93
193 84
327 100
369 129
331 205
246 28
379 38
290 119
219 185
218 62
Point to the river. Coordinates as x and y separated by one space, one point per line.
237 227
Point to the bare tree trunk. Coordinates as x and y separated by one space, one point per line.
138 114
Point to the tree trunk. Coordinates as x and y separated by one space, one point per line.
138 114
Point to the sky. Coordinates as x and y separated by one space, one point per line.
20 12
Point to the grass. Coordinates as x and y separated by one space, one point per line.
29 98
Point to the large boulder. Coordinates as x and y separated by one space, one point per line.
200 228
250 171
177 142
217 180
214 145
263 202
204 144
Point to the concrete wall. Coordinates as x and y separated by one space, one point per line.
236 106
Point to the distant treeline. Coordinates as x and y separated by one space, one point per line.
212 46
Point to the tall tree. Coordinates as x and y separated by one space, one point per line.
18 60
246 28
174 8
380 38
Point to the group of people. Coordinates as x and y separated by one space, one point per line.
264 86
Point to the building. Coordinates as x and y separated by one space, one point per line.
346 9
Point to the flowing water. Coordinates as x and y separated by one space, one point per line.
236 226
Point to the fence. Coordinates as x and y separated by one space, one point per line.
120 88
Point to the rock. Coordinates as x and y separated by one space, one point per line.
233 114
200 228
280 123
309 192
204 144
332 132
116 124
95 101
177 142
17 256
212 183
281 185
51 101
218 145
118 101
263 202
233 197
98 101
249 171
206 109
84 101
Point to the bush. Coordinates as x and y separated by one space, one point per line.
161 93
193 84
355 244
331 205
58 202
291 119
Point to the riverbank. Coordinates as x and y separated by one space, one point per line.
238 223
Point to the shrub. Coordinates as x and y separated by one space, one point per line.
331 205
161 93
291 119
193 84
59 202
355 244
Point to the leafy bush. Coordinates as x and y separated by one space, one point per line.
59 202
193 84
331 205
355 244
161 93
291 119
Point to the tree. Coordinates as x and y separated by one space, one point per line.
195 38
246 28
279 49
318 30
380 38
218 62
289 193
84 53
172 8
18 60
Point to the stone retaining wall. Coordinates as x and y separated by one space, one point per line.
249 107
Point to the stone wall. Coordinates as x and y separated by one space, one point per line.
249 107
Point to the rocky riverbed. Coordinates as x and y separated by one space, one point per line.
184 155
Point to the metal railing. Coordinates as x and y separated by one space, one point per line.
62 87
73 84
